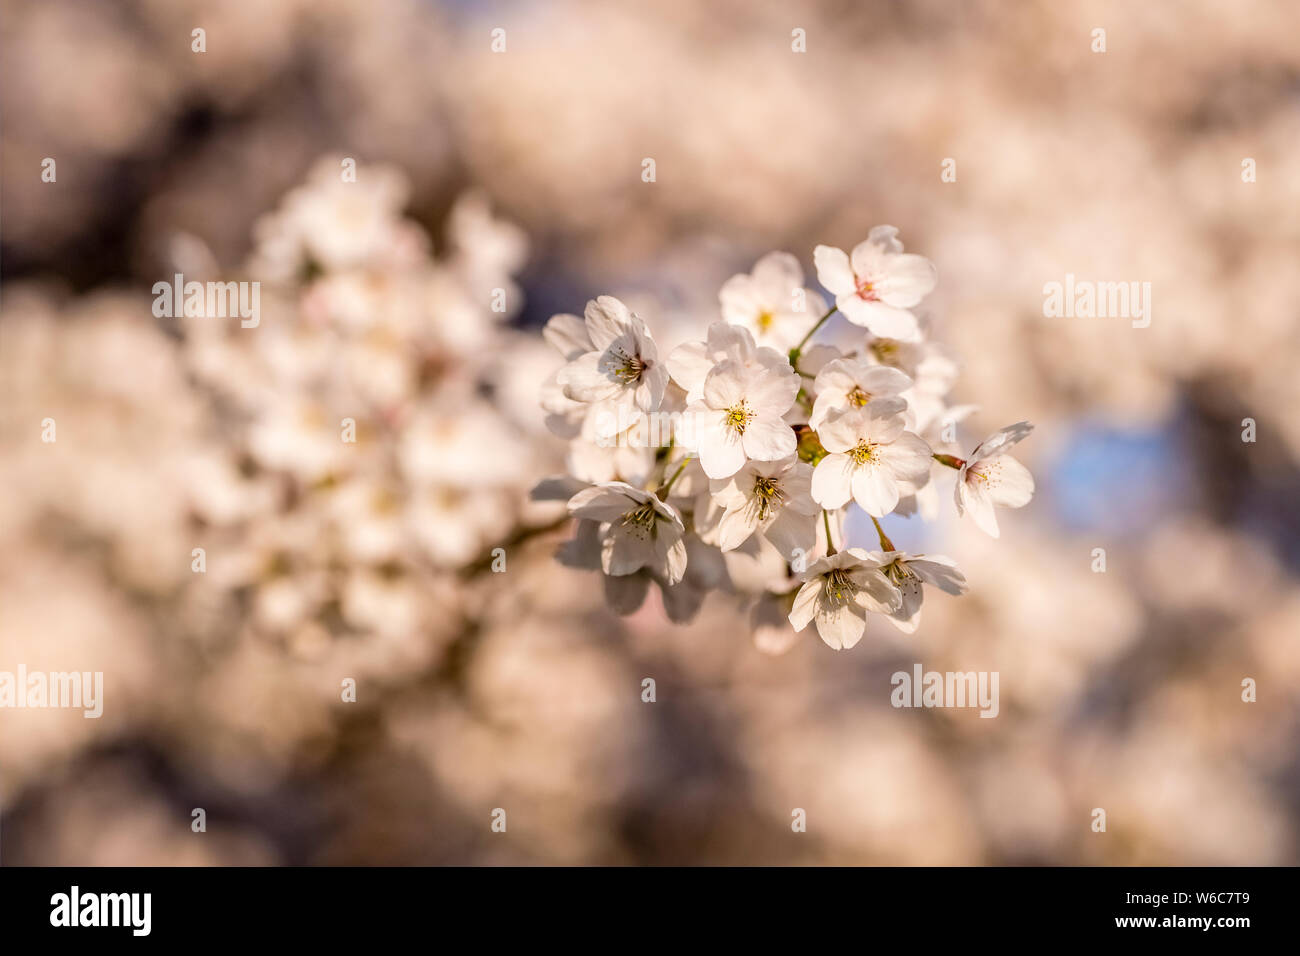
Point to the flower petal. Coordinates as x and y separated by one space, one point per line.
833 270
832 481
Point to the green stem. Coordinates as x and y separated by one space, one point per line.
885 543
950 460
830 543
662 492
798 349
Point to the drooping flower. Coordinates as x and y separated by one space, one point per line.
771 498
871 459
623 366
739 416
636 531
908 572
838 592
771 302
992 477
851 383
877 284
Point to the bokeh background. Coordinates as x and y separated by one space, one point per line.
1119 690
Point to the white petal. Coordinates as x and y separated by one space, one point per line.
881 319
736 526
768 439
907 280
874 489
606 319
840 625
601 503
778 274
833 269
567 334
908 458
832 481
940 571
805 603
1001 440
585 380
772 391
1009 482
725 386
670 555
622 552
974 496
689 365
791 532
842 429
721 452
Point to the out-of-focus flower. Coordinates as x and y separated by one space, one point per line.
771 302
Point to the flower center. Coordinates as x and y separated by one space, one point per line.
765 319
768 495
900 573
628 368
866 290
858 397
885 351
737 417
840 586
641 519
863 452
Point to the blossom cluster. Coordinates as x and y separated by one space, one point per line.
731 463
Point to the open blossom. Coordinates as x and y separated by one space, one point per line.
771 302
755 449
772 498
636 531
871 459
691 363
851 383
739 416
839 591
908 573
623 365
992 477
876 284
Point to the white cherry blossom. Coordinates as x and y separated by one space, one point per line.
739 416
771 302
992 477
851 383
636 531
839 591
772 498
871 459
908 573
877 284
623 365
691 363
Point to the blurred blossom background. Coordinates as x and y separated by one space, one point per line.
522 170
